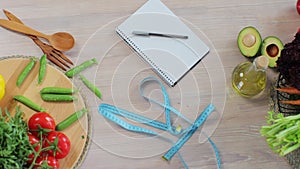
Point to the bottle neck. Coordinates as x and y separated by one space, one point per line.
261 63
255 66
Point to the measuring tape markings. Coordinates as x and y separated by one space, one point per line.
167 105
166 99
111 112
107 114
216 152
136 117
184 138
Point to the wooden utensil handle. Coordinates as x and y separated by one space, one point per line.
21 28
12 17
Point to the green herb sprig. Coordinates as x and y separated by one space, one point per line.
14 144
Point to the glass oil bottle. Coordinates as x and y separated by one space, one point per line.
250 78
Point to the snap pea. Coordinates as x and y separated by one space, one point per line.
91 86
42 70
70 119
57 90
25 72
58 97
27 102
72 72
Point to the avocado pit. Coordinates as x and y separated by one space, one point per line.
249 40
272 50
271 47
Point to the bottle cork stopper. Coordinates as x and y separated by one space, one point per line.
262 62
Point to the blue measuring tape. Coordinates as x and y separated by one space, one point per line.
114 113
190 131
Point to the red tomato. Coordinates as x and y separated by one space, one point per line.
35 142
298 7
46 162
60 142
41 122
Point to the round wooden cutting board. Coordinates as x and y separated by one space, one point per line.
78 133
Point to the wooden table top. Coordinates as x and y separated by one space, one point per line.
235 130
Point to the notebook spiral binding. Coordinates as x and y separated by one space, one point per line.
146 58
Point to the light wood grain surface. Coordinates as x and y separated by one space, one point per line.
235 127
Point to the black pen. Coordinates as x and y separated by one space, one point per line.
144 33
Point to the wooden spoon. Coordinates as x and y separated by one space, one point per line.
60 40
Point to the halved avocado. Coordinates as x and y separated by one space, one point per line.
271 47
249 41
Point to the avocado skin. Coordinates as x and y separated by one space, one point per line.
269 41
253 50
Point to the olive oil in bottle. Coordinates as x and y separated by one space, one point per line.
250 79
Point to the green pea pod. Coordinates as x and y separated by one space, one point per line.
25 72
42 71
91 86
58 97
74 71
70 119
27 102
57 90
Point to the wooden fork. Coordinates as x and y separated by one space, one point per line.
54 55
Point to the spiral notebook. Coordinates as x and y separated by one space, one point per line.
170 58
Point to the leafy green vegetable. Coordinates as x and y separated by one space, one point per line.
283 133
14 144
